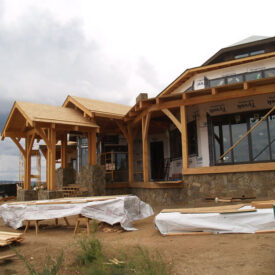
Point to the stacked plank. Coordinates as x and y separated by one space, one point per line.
7 238
263 204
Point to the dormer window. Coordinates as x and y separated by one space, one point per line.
249 54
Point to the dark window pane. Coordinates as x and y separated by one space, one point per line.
241 55
239 128
234 79
271 121
217 142
253 76
192 138
217 82
269 73
175 144
257 52
259 139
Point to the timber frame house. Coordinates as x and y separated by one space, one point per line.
214 119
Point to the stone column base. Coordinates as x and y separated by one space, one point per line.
27 195
48 195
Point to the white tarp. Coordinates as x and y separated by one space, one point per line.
122 209
244 222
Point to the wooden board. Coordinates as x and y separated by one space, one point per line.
189 234
263 204
6 238
214 209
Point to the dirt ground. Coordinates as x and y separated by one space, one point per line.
210 254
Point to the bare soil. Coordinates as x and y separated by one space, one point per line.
210 254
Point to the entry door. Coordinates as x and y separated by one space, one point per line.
157 160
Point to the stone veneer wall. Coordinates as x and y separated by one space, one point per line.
92 177
197 187
65 176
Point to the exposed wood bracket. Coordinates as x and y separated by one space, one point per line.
16 141
122 128
145 126
173 118
42 134
245 85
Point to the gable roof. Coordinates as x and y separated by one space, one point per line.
193 71
27 112
98 107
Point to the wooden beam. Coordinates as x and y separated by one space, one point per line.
214 91
92 147
173 118
145 128
184 137
43 135
248 132
122 128
130 140
51 159
236 168
16 141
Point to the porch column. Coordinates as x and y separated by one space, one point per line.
27 161
63 151
130 140
92 147
184 138
51 158
145 127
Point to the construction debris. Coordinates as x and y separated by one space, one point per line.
7 238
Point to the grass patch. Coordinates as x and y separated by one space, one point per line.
92 260
51 266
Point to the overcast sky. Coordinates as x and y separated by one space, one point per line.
110 50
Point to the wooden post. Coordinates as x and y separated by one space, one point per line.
184 138
51 157
63 151
27 165
145 127
130 140
92 147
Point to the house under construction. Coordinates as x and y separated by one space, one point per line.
211 132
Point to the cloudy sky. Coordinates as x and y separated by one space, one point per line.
110 50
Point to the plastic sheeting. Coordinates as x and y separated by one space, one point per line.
122 209
244 222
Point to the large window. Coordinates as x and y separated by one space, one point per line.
258 146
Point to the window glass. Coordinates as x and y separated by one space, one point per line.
257 52
269 73
217 82
253 76
175 144
271 122
192 138
234 79
259 139
241 55
239 129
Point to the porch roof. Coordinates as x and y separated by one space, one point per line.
97 107
24 115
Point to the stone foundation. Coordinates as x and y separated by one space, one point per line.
27 195
198 187
48 195
65 177
249 184
92 177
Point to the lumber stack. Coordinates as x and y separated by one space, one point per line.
7 238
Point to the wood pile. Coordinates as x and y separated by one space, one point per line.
7 238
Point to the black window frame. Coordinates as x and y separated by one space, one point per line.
228 117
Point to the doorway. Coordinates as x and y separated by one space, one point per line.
157 160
